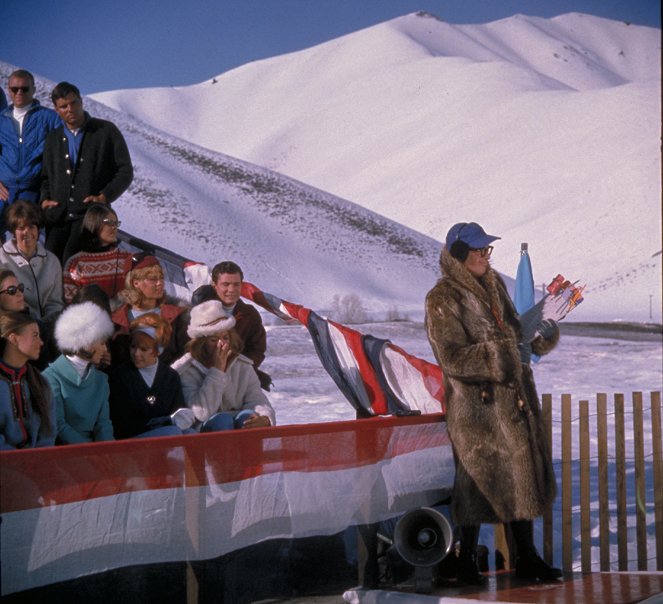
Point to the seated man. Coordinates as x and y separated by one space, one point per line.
227 280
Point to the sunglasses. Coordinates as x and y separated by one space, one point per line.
12 289
17 89
483 251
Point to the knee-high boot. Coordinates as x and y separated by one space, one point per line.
468 571
529 565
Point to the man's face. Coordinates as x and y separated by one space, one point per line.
70 110
21 91
228 287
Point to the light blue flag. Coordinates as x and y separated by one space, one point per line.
523 298
524 292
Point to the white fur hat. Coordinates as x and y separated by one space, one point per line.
81 325
208 319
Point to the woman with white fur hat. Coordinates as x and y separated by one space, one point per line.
79 388
219 384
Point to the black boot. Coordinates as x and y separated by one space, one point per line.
529 565
467 571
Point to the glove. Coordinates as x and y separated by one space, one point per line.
525 350
183 418
547 328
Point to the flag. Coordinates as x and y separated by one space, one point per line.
79 510
374 375
524 293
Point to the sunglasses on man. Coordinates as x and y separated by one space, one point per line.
17 89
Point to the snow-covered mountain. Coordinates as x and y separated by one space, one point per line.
543 130
292 240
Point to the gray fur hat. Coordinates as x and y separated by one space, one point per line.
81 325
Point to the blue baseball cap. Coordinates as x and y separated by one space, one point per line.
470 233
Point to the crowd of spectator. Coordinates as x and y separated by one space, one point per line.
91 346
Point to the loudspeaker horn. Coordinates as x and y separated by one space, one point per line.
423 537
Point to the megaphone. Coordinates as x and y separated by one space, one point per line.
423 537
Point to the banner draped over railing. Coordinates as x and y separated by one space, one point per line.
78 510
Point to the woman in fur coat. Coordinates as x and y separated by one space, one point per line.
504 472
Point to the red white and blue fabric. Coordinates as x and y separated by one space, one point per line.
79 510
373 374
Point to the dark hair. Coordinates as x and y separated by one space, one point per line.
22 211
6 272
13 322
92 292
92 223
64 89
204 293
227 266
22 73
196 347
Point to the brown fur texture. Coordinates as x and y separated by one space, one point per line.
503 464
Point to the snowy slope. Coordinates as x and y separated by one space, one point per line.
291 240
544 130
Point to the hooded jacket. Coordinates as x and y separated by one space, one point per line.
503 464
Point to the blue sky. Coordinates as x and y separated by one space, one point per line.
109 44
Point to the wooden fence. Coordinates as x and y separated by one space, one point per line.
606 488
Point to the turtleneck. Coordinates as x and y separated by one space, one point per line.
80 365
149 373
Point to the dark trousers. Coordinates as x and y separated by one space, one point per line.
63 239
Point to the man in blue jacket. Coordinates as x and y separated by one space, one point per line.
86 160
24 125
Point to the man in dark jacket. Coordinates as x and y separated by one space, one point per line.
85 160
23 129
227 280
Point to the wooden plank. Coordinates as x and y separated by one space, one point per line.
620 483
604 507
640 495
657 449
567 475
585 529
546 416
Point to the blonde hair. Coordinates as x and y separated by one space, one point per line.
131 294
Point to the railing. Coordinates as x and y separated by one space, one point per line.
610 480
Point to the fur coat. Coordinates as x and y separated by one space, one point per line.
503 463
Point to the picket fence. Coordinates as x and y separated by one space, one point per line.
603 486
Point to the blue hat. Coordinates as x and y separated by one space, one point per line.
470 233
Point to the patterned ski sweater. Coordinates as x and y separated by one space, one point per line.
106 269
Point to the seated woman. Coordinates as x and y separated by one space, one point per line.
218 383
38 269
100 260
79 388
27 411
145 393
12 299
144 293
